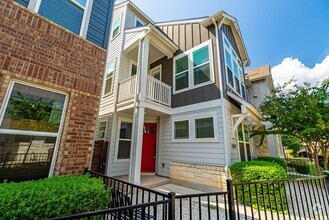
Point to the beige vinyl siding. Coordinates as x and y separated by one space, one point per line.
211 153
130 19
235 153
114 52
258 92
231 110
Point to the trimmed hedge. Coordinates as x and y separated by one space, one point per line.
251 171
260 195
53 197
279 161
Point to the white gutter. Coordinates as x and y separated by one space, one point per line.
226 146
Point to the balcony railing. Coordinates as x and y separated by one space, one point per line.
156 90
127 89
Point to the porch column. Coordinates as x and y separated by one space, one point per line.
139 109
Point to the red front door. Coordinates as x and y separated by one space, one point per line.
149 147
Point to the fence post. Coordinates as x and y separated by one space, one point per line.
326 177
231 207
172 205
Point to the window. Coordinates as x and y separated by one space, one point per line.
193 68
244 142
204 128
198 127
80 3
124 140
138 23
181 129
234 71
133 68
109 78
116 28
102 130
156 72
29 130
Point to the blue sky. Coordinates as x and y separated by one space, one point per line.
273 30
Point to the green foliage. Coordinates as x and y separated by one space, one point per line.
251 171
56 196
260 195
302 166
292 143
34 109
277 160
302 112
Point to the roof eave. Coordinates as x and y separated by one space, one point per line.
218 16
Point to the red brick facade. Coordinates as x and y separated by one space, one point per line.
35 50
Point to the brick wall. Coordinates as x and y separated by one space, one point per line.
198 176
36 50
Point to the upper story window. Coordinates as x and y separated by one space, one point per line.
109 77
80 3
156 72
234 72
138 23
116 28
193 68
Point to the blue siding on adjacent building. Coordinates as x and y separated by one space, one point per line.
100 20
62 12
25 3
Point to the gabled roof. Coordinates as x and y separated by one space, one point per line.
129 3
233 22
259 73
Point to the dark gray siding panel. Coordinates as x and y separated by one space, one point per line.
100 20
187 36
62 12
25 3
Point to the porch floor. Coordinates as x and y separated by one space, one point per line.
149 180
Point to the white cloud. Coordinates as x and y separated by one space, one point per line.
293 68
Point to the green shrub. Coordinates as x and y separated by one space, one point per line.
302 166
260 195
56 196
277 160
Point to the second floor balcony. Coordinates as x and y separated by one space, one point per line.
156 91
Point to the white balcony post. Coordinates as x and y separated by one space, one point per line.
138 121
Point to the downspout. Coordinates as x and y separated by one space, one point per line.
226 146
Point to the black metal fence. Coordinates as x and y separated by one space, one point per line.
304 198
301 167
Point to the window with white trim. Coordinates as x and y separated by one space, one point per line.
234 69
30 122
124 144
109 77
181 129
244 142
102 130
195 128
204 128
156 72
193 68
80 3
133 68
116 27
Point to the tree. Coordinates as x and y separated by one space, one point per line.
301 111
291 143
